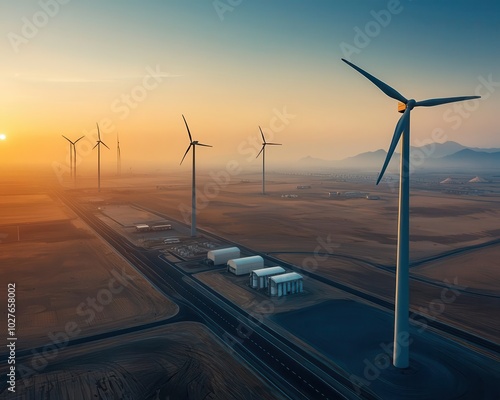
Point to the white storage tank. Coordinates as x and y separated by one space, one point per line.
259 277
242 266
284 284
222 256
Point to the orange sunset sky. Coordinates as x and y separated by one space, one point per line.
135 67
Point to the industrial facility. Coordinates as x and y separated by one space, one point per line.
242 266
285 284
162 227
222 256
259 277
142 228
152 228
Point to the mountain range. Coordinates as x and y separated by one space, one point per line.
432 156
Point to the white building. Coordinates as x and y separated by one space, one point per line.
284 284
242 266
259 277
162 227
142 228
222 256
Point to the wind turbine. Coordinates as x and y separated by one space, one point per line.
401 356
263 151
98 145
193 144
72 155
118 157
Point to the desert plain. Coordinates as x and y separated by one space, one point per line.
328 227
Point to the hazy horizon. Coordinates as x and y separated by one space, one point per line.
136 68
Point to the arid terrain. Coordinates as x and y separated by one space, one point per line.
359 234
72 286
70 281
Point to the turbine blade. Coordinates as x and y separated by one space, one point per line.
80 138
185 154
443 100
274 144
204 145
97 144
261 150
187 127
98 132
400 126
67 139
262 134
105 145
389 91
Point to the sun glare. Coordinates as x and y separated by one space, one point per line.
3 136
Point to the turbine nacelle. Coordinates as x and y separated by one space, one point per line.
99 141
264 143
404 106
191 141
401 352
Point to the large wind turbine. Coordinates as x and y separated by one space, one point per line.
98 145
401 356
193 144
263 151
72 155
118 157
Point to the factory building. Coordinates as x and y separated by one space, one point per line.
259 277
242 266
222 256
162 227
285 284
142 228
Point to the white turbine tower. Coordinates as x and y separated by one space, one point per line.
118 157
193 144
263 151
401 357
98 145
72 155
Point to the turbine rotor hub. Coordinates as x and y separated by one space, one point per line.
409 104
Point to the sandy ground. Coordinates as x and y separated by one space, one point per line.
236 289
439 369
366 229
178 361
349 227
65 275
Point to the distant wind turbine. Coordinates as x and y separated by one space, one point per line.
263 151
98 145
72 155
401 357
193 144
118 157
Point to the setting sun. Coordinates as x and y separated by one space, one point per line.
3 136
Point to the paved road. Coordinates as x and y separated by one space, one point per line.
389 305
292 370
